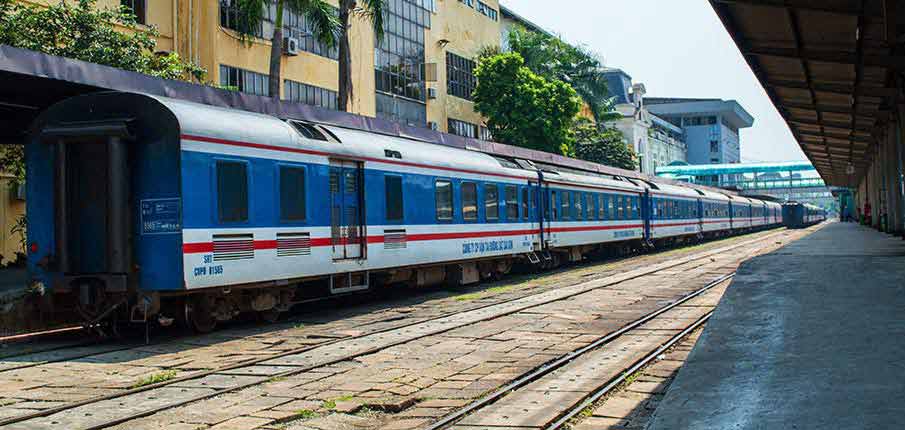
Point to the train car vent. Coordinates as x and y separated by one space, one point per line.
293 244
308 130
394 239
234 247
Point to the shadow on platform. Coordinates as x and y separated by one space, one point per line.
809 336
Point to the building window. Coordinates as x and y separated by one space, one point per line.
714 146
460 80
292 193
714 160
402 110
485 134
444 200
294 25
511 202
399 61
469 3
309 94
236 79
137 7
395 209
491 202
487 11
462 128
469 201
232 191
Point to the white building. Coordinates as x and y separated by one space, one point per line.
656 141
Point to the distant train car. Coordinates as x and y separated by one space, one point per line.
800 215
159 209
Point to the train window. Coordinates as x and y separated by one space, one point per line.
444 197
469 201
292 193
511 202
634 207
491 201
552 206
620 209
525 203
564 204
601 207
611 205
590 200
395 208
232 191
578 208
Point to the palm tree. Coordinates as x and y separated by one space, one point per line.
370 9
323 22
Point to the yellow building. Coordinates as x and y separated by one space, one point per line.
12 206
420 73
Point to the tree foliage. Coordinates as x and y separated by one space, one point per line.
79 30
523 108
604 145
321 16
577 66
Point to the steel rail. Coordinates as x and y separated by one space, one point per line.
613 383
298 370
563 360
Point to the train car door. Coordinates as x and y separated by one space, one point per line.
536 216
346 209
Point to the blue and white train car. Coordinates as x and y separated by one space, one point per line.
587 210
741 209
715 214
675 211
155 207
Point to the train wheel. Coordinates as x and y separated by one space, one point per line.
199 316
270 316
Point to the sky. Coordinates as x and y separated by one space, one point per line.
676 48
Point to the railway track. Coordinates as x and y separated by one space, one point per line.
99 347
562 362
305 359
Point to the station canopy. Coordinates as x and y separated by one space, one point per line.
829 67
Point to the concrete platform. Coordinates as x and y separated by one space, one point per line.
811 336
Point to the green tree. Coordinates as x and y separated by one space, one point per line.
522 108
321 16
604 145
371 10
80 30
577 66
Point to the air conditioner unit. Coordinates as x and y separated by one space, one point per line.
290 46
431 93
433 125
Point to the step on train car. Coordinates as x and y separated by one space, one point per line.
155 209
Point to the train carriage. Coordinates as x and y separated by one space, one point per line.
740 209
161 208
675 211
715 215
585 210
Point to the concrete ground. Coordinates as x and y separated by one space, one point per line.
809 336
12 279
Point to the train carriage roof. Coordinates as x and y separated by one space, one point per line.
673 190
